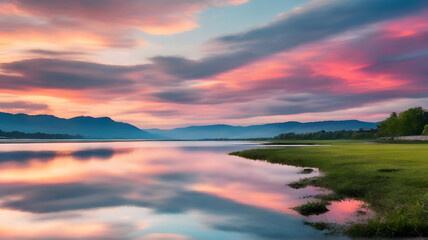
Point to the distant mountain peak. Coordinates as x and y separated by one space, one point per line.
86 126
93 118
258 131
105 127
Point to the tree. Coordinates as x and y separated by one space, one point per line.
425 132
412 121
389 127
409 122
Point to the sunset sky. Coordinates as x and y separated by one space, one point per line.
171 63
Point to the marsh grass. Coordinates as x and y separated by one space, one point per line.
312 208
306 171
330 197
318 142
391 178
302 183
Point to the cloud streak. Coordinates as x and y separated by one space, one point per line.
62 74
22 106
154 17
108 24
313 22
324 56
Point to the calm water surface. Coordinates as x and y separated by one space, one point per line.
151 190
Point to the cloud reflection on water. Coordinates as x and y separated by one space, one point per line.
87 154
217 196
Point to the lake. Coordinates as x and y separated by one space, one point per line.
152 190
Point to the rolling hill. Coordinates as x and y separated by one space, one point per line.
88 127
258 131
106 128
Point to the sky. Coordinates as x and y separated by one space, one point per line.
173 63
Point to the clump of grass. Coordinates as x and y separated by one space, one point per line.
306 171
302 183
330 197
312 208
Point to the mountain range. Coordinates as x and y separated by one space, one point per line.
88 127
258 131
106 128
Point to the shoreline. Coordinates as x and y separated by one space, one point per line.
28 141
389 177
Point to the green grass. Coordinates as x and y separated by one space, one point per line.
312 208
306 171
319 142
401 141
330 197
391 178
302 183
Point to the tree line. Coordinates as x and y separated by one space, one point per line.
38 135
331 135
413 121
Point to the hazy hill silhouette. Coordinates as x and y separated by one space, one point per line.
106 128
259 131
88 127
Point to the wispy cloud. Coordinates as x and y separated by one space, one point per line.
324 56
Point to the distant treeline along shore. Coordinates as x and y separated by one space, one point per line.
22 135
412 122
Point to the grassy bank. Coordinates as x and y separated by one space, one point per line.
392 178
320 142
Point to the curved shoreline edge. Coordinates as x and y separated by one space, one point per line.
391 178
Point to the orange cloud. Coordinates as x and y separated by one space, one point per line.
153 17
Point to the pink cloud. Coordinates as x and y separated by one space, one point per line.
150 16
97 24
375 65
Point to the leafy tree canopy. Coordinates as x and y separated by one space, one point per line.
407 123
425 132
